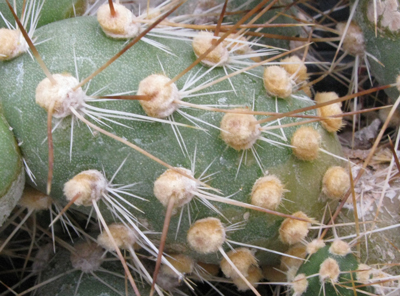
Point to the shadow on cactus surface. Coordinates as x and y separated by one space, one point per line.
185 148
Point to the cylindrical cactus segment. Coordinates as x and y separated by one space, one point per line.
378 25
79 46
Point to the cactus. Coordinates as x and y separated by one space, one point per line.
259 184
334 269
87 151
47 11
379 27
12 174
83 270
330 269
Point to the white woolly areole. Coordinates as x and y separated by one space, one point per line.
182 263
329 269
172 184
88 257
33 199
294 231
219 55
306 141
242 258
91 185
388 14
254 276
291 273
120 26
298 250
163 97
61 94
267 192
277 82
240 131
330 124
339 248
123 236
299 284
314 246
206 236
353 41
323 97
294 65
364 273
12 44
336 182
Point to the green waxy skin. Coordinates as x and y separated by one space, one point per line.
95 151
52 10
383 46
12 175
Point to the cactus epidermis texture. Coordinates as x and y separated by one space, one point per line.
12 175
50 11
81 41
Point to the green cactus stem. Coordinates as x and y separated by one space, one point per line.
12 173
81 41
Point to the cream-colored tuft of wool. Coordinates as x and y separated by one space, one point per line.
90 184
298 250
172 184
242 258
330 124
315 245
293 231
184 264
61 94
323 97
336 182
364 273
277 82
329 269
254 276
299 284
353 41
33 199
295 66
163 97
124 237
339 248
11 44
306 141
219 55
267 192
387 14
206 236
120 26
240 131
